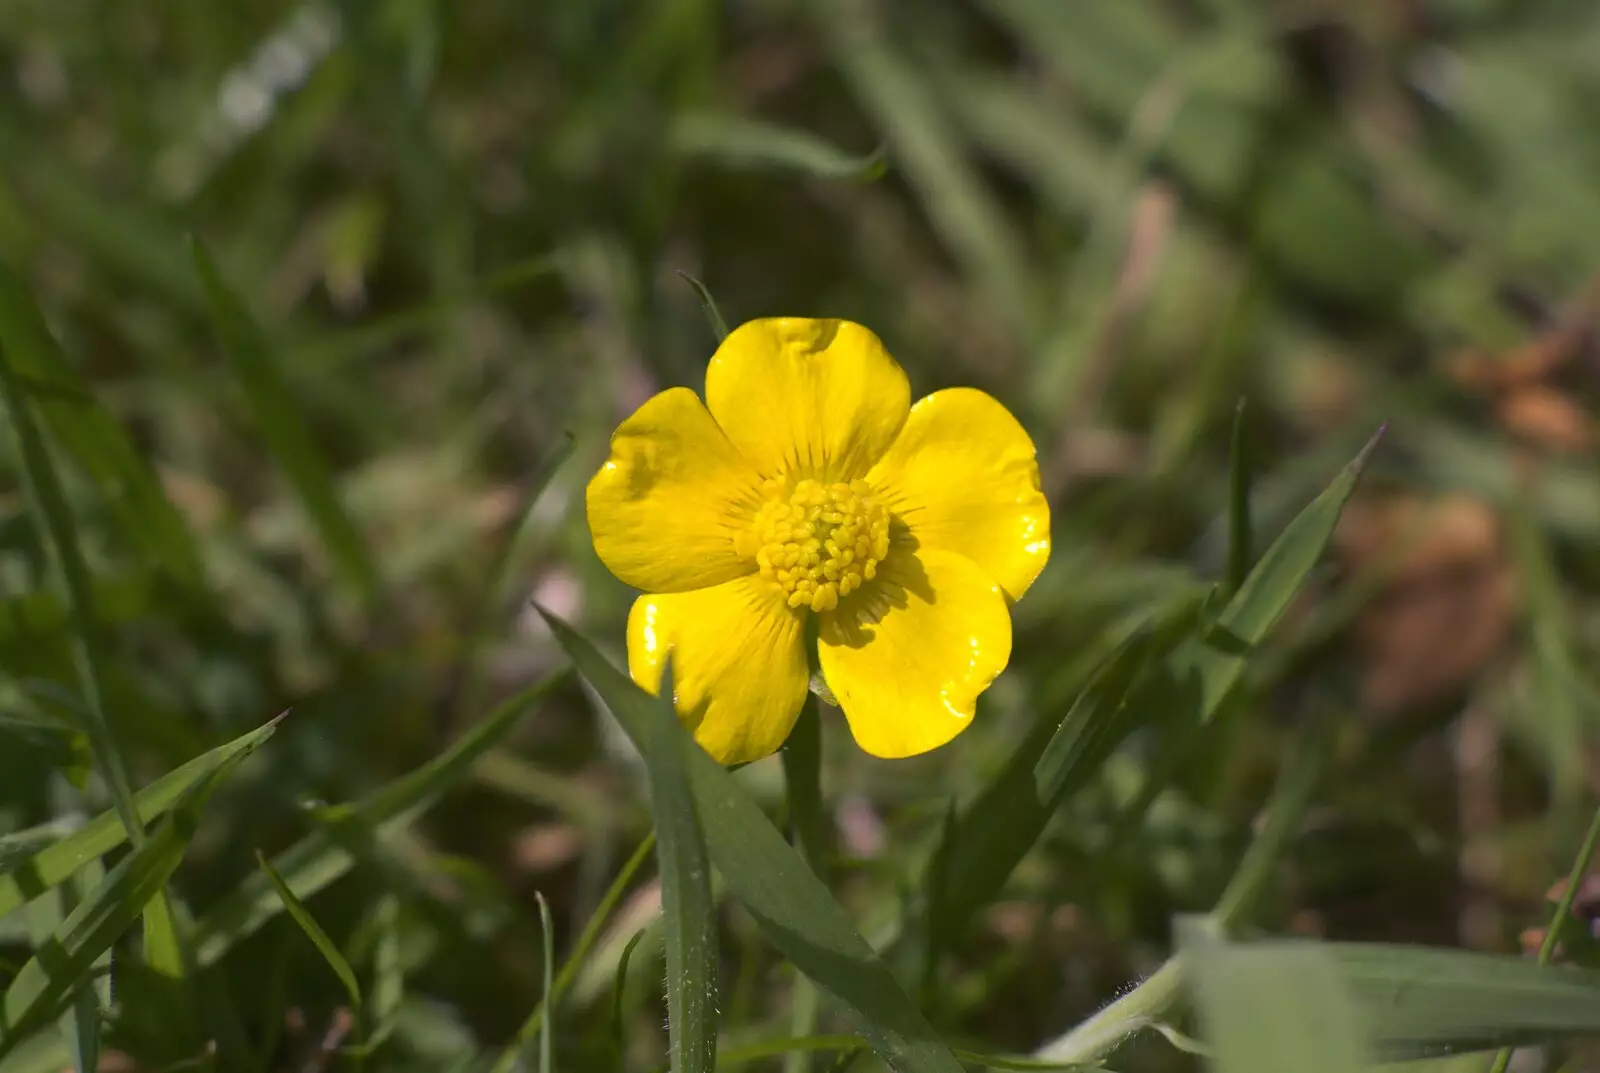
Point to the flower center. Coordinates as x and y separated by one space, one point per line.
818 542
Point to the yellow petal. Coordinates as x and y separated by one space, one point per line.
666 506
820 397
962 477
908 656
739 667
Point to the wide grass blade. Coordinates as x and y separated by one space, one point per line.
1419 1002
320 858
29 877
1268 1008
688 913
63 964
281 422
319 938
790 904
89 434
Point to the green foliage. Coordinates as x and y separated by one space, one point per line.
326 461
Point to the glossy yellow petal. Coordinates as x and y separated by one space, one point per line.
665 508
908 656
738 663
962 477
821 398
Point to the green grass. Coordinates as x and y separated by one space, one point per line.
314 320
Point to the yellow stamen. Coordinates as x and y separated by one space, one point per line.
818 542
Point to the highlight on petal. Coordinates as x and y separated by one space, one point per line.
667 505
962 477
739 664
818 397
908 657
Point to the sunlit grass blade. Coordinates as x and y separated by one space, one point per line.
1205 670
281 422
93 438
752 144
319 859
64 962
27 878
708 305
1267 592
688 913
80 1023
1267 1008
790 904
319 938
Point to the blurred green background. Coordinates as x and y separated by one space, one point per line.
463 229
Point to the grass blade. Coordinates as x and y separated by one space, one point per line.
931 157
63 964
1552 934
30 877
55 521
320 939
388 970
93 438
281 422
80 1023
751 144
512 1054
687 911
59 532
708 305
989 839
1270 1007
319 859
1420 1002
619 992
791 905
1240 549
1268 590
548 930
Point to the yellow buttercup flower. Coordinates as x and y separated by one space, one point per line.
806 487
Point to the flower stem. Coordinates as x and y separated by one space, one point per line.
802 772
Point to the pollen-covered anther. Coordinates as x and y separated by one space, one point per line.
818 542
